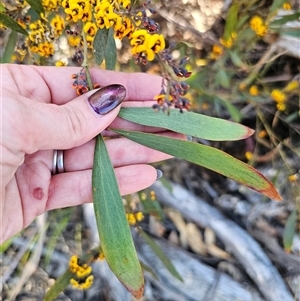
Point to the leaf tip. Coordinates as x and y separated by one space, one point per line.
272 193
138 293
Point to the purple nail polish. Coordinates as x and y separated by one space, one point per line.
107 98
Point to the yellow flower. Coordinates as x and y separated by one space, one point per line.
262 134
281 106
123 27
293 85
90 28
73 40
146 44
88 281
278 96
227 43
248 155
258 26
139 216
105 15
254 90
217 50
131 219
51 4
287 6
60 64
44 49
293 178
58 24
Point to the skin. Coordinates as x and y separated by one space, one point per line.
40 113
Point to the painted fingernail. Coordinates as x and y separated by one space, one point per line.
159 174
107 98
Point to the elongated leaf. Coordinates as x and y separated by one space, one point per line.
223 79
115 237
160 254
99 45
110 51
60 284
12 24
284 19
188 123
2 7
148 269
275 5
289 231
231 20
208 157
36 5
10 47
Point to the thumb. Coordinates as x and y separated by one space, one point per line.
76 122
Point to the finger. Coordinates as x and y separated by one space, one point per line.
74 188
54 84
122 152
41 126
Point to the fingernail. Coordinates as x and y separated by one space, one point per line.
107 98
189 138
159 174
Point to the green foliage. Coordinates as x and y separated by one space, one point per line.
160 254
207 157
99 45
10 47
37 6
114 231
289 231
188 123
110 51
12 24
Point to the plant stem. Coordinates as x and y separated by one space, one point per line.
85 63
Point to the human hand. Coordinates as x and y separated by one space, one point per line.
41 113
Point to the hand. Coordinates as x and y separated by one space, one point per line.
42 113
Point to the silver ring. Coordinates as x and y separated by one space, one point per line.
54 162
58 162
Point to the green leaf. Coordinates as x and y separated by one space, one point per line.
60 284
236 59
235 114
207 157
289 231
223 79
99 45
115 236
284 19
12 24
275 5
293 32
231 20
36 5
160 254
188 123
148 269
150 206
110 51
10 47
2 7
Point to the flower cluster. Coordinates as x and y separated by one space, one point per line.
258 26
82 272
253 90
172 95
280 98
80 83
133 218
